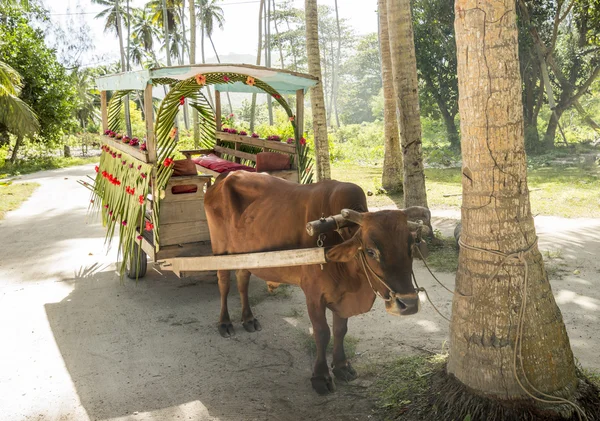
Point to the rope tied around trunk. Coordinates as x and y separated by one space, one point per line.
520 256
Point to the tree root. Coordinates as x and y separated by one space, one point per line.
449 400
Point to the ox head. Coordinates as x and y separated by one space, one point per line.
385 241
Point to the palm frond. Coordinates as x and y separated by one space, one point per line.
17 116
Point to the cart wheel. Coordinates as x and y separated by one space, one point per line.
136 269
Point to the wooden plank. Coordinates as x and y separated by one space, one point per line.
233 152
185 232
218 110
204 170
290 175
149 114
300 112
195 249
182 211
148 244
133 151
270 259
188 153
104 110
263 143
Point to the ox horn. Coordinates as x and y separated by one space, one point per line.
415 226
352 216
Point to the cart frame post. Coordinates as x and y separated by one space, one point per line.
104 111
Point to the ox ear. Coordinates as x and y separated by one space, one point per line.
344 252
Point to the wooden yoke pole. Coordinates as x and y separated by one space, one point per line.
104 111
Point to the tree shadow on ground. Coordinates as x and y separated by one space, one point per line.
152 347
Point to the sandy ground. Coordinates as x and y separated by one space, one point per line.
77 344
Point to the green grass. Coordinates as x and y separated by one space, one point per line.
49 163
568 191
12 195
443 255
403 387
405 381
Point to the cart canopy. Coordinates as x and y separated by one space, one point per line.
283 81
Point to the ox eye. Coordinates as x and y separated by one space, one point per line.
372 253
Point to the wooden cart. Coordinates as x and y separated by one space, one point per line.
179 238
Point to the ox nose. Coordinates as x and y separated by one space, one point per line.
404 305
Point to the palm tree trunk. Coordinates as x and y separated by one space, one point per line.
496 215
123 67
282 64
323 168
192 13
404 65
391 179
167 36
15 151
253 106
268 55
336 71
219 60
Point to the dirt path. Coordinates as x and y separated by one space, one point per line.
76 344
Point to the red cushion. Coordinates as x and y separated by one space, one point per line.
182 167
220 165
272 161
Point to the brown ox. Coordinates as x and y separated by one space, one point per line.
249 212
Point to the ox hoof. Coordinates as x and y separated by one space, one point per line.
345 373
226 330
323 385
252 325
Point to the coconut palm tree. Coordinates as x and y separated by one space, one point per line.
392 161
144 31
404 65
507 336
15 115
113 15
317 99
211 16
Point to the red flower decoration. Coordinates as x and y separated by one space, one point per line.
139 237
302 141
141 199
97 168
182 100
277 96
168 162
144 175
226 78
149 226
143 147
124 223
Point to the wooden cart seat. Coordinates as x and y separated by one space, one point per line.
220 165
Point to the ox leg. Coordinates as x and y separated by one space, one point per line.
248 321
341 366
321 379
225 326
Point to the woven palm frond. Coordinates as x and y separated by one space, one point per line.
119 193
114 110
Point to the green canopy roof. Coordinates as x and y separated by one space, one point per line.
283 81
